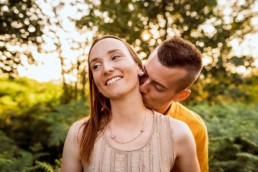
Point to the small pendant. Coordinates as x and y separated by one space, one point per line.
142 130
112 137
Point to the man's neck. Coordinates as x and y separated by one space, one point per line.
165 110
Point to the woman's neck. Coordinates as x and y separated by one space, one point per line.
128 110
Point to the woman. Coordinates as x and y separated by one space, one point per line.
121 134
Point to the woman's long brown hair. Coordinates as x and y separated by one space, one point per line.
99 108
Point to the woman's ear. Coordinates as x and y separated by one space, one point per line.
140 71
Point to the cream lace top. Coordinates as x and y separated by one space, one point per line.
157 155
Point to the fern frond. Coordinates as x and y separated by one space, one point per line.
44 166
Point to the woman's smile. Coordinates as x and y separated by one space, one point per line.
113 80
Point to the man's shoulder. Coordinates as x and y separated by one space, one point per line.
182 113
198 129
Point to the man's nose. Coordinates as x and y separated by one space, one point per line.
144 86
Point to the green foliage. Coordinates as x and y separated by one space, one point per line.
36 132
22 94
241 156
46 167
233 136
12 158
62 118
231 87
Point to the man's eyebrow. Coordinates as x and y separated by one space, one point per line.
109 52
146 73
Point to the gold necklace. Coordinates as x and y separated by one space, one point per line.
113 137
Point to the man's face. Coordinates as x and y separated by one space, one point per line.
158 85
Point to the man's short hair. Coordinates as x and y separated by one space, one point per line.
180 53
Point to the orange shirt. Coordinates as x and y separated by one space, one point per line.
198 128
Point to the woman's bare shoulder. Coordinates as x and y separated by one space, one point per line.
180 130
77 127
80 122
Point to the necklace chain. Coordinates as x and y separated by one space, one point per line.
113 137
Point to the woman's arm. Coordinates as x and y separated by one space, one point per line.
185 148
70 158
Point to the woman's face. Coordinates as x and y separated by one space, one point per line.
115 73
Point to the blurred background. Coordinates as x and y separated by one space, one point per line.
43 71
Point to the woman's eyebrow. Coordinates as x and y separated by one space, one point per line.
112 51
109 52
93 60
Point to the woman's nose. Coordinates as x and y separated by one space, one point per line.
108 68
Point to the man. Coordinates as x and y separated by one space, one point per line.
169 72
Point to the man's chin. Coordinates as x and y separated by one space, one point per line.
146 103
149 105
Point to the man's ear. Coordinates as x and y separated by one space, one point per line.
182 95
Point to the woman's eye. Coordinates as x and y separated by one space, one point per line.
96 66
115 56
